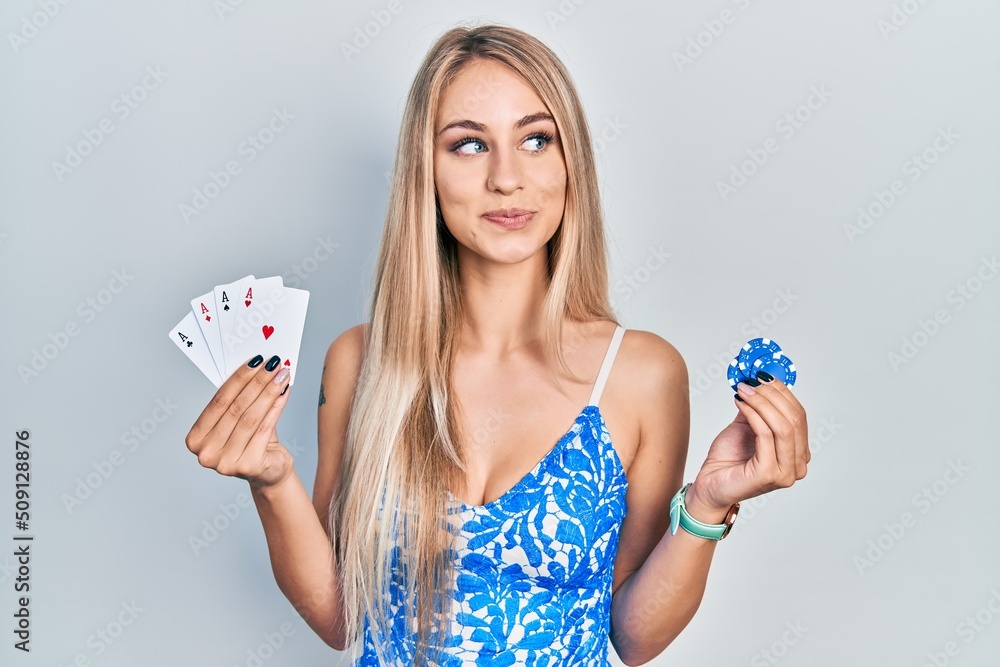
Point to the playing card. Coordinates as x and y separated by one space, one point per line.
188 337
272 325
203 308
227 306
251 291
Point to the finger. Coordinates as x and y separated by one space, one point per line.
250 462
797 415
782 387
766 459
220 403
740 418
237 426
252 421
782 432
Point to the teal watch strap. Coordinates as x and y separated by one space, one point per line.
680 517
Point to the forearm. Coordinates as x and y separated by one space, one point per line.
301 556
651 608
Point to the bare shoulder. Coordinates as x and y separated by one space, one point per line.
646 392
345 354
650 395
656 378
338 383
653 370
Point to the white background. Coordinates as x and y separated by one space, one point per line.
669 130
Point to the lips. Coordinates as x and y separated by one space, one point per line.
510 218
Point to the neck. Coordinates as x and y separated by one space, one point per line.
503 302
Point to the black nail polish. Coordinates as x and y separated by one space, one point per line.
272 363
765 376
739 398
285 389
256 361
753 382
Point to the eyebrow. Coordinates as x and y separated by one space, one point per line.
479 127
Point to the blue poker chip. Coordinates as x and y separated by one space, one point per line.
778 365
735 374
753 350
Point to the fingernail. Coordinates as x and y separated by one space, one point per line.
272 363
739 398
753 382
745 389
285 389
255 362
281 375
764 376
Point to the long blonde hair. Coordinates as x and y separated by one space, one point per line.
402 451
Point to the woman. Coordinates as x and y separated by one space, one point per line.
490 328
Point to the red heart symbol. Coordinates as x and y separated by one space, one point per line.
268 330
247 303
287 362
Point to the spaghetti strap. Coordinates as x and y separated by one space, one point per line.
609 359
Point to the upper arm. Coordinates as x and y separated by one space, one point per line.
657 470
341 367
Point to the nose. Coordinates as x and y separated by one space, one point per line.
505 174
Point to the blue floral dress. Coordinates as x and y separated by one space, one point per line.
534 567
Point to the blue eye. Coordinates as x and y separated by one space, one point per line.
544 136
462 142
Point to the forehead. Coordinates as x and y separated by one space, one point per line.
485 89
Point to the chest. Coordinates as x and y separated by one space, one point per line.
510 419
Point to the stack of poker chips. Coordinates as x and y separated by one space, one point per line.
761 354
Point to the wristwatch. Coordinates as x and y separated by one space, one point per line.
680 517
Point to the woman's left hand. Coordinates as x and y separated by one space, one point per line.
766 447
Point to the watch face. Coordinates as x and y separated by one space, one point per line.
730 519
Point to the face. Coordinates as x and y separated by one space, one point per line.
496 148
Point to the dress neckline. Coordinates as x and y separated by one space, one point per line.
533 473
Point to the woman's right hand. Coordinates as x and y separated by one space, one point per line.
235 434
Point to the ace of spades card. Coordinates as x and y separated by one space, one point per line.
229 302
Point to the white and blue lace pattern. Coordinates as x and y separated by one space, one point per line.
534 567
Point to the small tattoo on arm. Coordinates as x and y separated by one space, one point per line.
322 396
